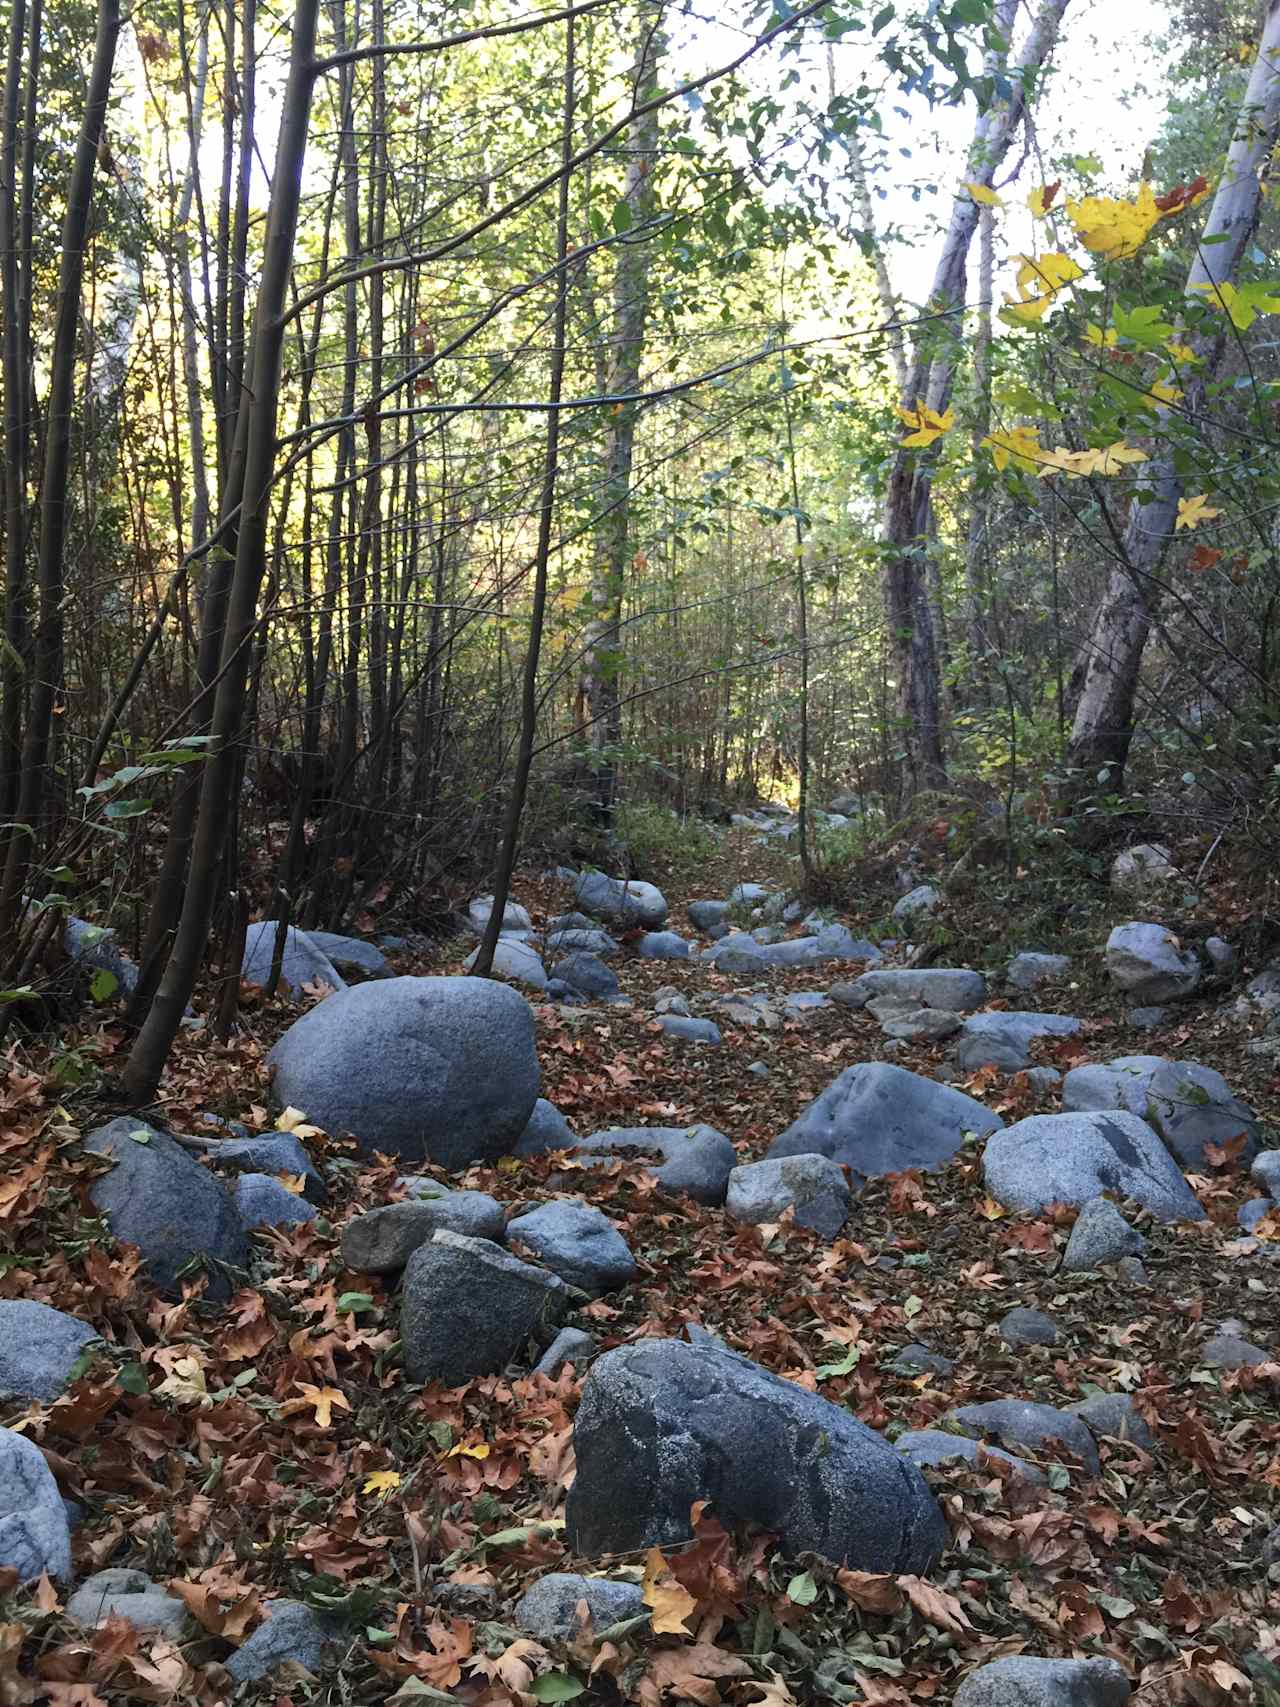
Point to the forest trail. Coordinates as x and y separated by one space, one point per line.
268 1445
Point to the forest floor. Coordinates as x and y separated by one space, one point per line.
273 1448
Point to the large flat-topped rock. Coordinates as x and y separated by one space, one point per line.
952 987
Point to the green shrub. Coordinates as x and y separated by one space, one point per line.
659 840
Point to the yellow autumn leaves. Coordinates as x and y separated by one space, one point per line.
926 424
1021 446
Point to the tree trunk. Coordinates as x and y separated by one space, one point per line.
1111 658
151 1047
602 663
47 656
913 641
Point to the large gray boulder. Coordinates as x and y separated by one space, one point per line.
1266 1172
514 959
704 914
662 1424
1114 1416
160 1199
549 1609
955 988
1005 1040
696 1160
1071 1158
352 954
427 1069
302 963
1030 968
1022 1422
622 903
1189 1105
34 1536
467 1308
1148 963
813 1187
687 1029
879 1119
39 1347
382 1240
1020 1680
547 1129
578 1242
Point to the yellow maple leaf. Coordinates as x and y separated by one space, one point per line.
1113 228
927 423
669 1601
1040 278
1162 392
480 1450
1038 200
321 1400
1101 340
1017 445
1193 511
984 194
381 1482
1180 352
1076 464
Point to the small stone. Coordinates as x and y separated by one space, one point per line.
549 1609
703 915
514 917
662 945
303 963
1147 962
587 974
1221 956
918 1358
695 1159
1249 1214
1146 863
39 1347
748 894
930 1448
622 903
671 1002
1005 1039
1021 1422
350 954
270 1153
1146 1019
467 1308
688 1030
382 1240
934 1025
122 1593
1025 971
264 1202
34 1535
759 1069
586 937
1266 1172
1101 1235
517 961
291 1631
1116 1416
1019 1680
571 1345
1133 1270
547 1130
578 1242
1043 1079
1228 1351
1028 1327
813 1187
917 905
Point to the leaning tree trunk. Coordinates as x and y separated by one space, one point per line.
1112 655
913 640
257 434
602 647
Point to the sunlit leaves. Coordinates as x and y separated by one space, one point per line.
1041 200
1040 278
1017 445
926 424
984 195
1112 228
